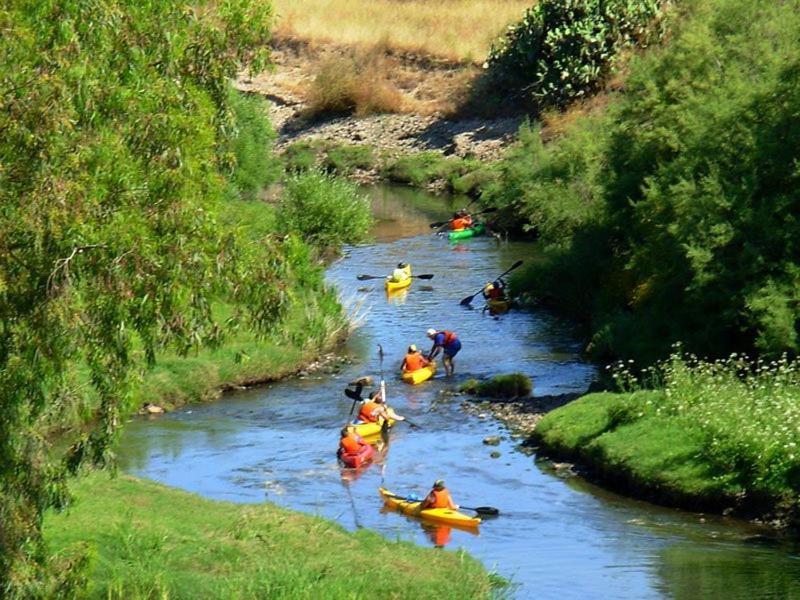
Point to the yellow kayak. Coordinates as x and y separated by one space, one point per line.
498 306
392 286
438 515
420 375
366 430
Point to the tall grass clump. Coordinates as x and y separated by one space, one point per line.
356 82
326 211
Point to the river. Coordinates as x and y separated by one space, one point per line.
555 538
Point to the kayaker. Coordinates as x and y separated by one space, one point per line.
495 290
467 217
414 361
373 409
439 497
351 442
400 273
459 222
448 342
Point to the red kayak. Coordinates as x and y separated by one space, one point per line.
356 459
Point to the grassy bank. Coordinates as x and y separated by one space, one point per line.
454 29
151 541
712 436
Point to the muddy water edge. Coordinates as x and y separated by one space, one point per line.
555 538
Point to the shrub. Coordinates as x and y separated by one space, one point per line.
422 168
563 49
346 158
252 145
514 385
325 210
302 156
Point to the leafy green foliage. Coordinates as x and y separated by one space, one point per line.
672 217
513 385
423 168
255 166
344 158
117 129
562 50
325 210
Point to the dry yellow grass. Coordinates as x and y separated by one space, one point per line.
453 29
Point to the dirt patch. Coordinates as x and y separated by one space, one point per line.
429 89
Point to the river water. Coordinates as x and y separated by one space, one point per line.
556 538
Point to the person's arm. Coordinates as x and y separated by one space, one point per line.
452 505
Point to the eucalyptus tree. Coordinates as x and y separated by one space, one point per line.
115 152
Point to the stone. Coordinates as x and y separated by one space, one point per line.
492 440
495 454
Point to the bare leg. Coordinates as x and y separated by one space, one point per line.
448 365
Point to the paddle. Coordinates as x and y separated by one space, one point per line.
355 395
489 511
468 299
482 212
365 277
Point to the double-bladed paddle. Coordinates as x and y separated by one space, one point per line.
365 277
489 511
469 299
481 212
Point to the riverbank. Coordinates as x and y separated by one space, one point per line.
148 540
711 437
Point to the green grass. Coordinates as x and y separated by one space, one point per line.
722 433
513 385
652 455
150 541
422 168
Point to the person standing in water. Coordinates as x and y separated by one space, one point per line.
448 343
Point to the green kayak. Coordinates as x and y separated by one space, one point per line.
463 234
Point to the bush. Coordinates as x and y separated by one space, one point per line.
668 218
563 50
252 145
302 156
325 210
514 385
422 168
345 159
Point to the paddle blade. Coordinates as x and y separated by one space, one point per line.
487 210
354 395
425 276
365 277
435 225
486 511
467 300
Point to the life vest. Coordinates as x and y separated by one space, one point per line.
441 499
366 412
414 361
496 293
350 444
459 224
449 337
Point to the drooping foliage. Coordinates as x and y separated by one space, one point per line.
116 131
563 50
674 215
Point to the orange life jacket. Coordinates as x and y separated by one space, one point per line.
350 444
414 361
441 499
459 223
449 336
366 412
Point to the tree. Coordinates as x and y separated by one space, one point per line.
115 132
